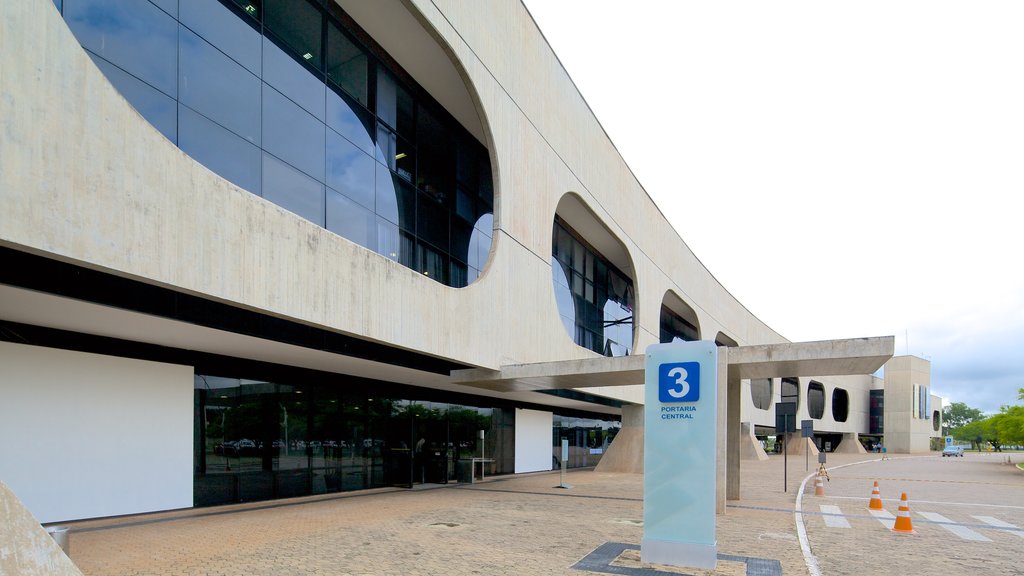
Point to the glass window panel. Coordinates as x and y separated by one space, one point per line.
458 277
300 25
460 238
138 37
223 152
349 219
432 262
485 224
483 247
169 6
472 275
293 79
156 107
250 7
59 4
218 87
394 105
408 252
395 152
219 26
350 170
292 134
350 120
466 162
431 221
396 200
293 190
436 170
465 205
388 243
347 64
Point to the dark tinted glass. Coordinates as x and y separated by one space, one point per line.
221 27
299 24
59 4
394 105
347 64
136 36
432 221
231 157
218 87
348 219
293 190
292 79
460 235
156 107
436 169
249 7
388 240
350 120
350 170
290 133
432 262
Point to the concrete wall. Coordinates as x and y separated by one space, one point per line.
533 440
905 432
86 435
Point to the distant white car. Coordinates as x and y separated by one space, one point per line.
953 451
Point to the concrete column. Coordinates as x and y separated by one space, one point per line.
626 452
750 447
850 444
734 436
721 437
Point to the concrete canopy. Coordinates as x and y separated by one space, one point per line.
824 358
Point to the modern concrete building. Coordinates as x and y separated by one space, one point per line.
252 249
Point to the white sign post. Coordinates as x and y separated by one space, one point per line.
680 428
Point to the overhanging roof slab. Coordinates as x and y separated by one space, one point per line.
824 358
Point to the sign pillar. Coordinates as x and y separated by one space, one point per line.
680 419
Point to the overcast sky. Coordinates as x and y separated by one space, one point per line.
844 169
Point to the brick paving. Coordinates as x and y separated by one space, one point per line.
523 525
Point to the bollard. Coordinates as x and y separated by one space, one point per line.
61 537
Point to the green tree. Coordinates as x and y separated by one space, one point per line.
958 415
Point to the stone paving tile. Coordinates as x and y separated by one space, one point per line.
508 525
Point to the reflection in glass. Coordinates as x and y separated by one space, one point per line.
347 64
293 190
350 170
156 107
351 121
293 79
231 157
349 219
602 296
237 87
675 328
219 26
136 36
218 87
291 134
299 24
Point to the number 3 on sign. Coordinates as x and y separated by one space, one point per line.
680 378
679 382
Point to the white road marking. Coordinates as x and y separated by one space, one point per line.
961 531
932 502
833 516
885 517
1001 524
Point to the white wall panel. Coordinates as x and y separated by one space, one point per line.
533 440
85 435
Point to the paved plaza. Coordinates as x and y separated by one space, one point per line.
968 515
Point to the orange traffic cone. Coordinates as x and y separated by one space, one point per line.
819 486
876 498
903 517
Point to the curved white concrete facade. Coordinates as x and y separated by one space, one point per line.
84 179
